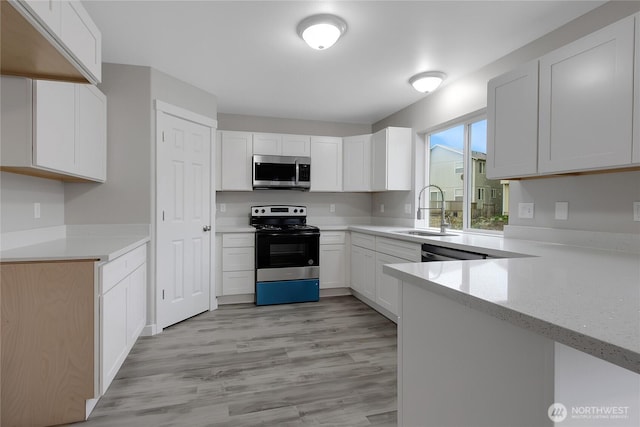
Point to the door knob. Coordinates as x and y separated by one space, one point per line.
206 228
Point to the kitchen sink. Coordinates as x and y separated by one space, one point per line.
425 233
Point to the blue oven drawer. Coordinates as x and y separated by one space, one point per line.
287 291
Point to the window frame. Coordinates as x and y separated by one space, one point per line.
467 121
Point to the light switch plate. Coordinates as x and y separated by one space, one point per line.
223 207
407 208
525 210
562 210
332 208
36 210
382 207
636 211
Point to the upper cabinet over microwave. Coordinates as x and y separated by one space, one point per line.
52 40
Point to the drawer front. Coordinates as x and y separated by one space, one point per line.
116 270
399 248
236 259
238 282
238 240
363 240
332 237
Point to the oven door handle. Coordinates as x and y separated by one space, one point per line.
301 233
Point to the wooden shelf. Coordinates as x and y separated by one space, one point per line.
26 52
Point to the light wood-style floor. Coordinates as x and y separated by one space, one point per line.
330 363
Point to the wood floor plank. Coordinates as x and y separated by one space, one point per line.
327 363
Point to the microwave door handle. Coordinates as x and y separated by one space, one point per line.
297 173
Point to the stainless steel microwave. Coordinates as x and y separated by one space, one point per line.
281 172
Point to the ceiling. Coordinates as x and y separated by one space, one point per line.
249 55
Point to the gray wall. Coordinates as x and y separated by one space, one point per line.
292 126
18 193
601 202
125 198
349 207
469 94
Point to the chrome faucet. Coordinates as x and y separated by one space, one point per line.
443 221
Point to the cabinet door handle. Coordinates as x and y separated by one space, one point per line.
206 228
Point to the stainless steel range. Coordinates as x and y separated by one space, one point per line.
287 255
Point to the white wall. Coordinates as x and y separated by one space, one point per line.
18 193
292 126
469 94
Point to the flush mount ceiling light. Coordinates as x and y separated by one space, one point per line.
428 81
321 31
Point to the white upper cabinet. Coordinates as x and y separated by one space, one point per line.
235 161
296 145
512 123
59 41
357 163
81 37
91 152
636 117
391 159
586 101
326 163
267 144
48 11
53 129
281 145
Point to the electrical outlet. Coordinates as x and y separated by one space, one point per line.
36 210
525 210
562 210
407 208
223 207
636 211
332 208
382 207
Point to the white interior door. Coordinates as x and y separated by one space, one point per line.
183 219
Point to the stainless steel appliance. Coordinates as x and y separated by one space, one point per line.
287 255
281 172
431 253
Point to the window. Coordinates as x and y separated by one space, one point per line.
456 162
481 193
459 168
481 166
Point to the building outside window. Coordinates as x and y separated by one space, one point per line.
455 153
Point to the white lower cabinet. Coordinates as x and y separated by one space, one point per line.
333 260
238 263
387 287
368 255
123 312
363 279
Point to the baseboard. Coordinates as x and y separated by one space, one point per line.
236 299
334 292
90 405
149 330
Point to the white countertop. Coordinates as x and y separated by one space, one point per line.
586 298
102 248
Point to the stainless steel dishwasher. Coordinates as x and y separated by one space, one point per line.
432 253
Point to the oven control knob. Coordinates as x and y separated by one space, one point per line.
262 211
301 210
296 211
257 210
310 262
